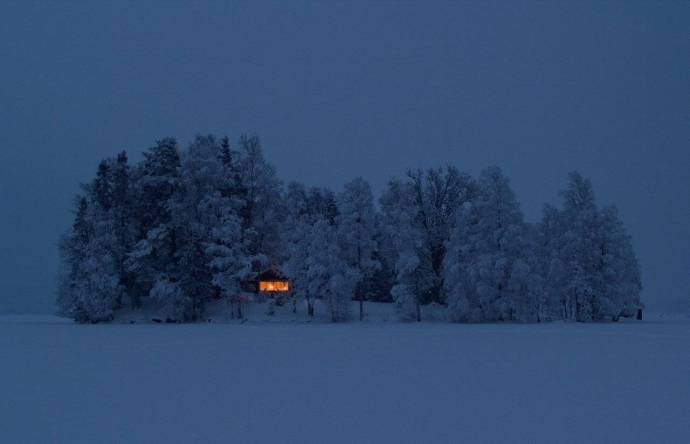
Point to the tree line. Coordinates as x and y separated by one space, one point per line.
183 227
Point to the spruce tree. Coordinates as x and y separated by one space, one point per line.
155 253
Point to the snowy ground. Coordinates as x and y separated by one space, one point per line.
374 382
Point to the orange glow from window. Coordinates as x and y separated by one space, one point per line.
274 286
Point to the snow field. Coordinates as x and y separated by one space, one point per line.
375 382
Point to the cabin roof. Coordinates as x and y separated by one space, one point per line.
271 275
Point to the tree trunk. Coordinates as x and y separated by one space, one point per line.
361 307
419 312
310 309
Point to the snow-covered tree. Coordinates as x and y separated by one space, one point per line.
436 196
549 261
296 263
211 253
356 222
174 302
328 274
578 248
310 204
381 282
102 187
96 293
200 178
88 283
304 209
226 247
263 210
622 282
411 282
404 245
592 271
155 182
73 249
317 268
124 227
537 306
174 254
487 268
158 180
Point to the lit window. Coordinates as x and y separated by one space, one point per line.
274 286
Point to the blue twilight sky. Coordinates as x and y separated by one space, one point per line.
344 89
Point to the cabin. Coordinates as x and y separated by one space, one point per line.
272 284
